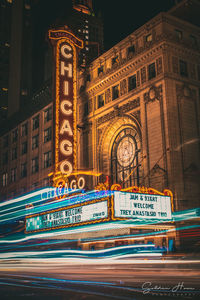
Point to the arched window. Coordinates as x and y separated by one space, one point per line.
125 158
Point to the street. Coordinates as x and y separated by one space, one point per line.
101 279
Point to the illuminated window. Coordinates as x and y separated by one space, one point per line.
47 159
13 175
35 165
151 71
14 153
100 100
183 68
115 92
5 141
24 148
132 83
14 135
35 140
36 122
5 158
48 114
5 179
23 170
148 38
47 134
24 129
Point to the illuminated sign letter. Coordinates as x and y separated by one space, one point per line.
63 105
65 127
66 147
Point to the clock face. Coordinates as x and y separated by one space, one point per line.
126 151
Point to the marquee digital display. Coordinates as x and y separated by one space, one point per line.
145 206
67 217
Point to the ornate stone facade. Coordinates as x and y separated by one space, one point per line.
152 92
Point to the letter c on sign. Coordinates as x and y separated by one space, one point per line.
66 165
63 51
65 111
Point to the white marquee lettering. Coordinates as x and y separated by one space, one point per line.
65 127
64 50
66 147
63 105
67 68
66 167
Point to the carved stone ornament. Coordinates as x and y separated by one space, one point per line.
153 94
183 91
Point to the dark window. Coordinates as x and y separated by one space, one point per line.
24 147
14 135
100 100
5 141
46 182
5 179
13 175
115 92
193 40
36 122
47 134
183 68
131 50
5 158
100 70
151 71
34 185
178 34
47 159
132 82
24 170
86 109
198 72
35 140
25 129
115 60
48 114
35 165
88 77
14 153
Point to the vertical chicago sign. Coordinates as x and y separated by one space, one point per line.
65 49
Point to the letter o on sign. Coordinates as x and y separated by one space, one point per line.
81 182
66 167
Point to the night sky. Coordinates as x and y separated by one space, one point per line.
120 17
